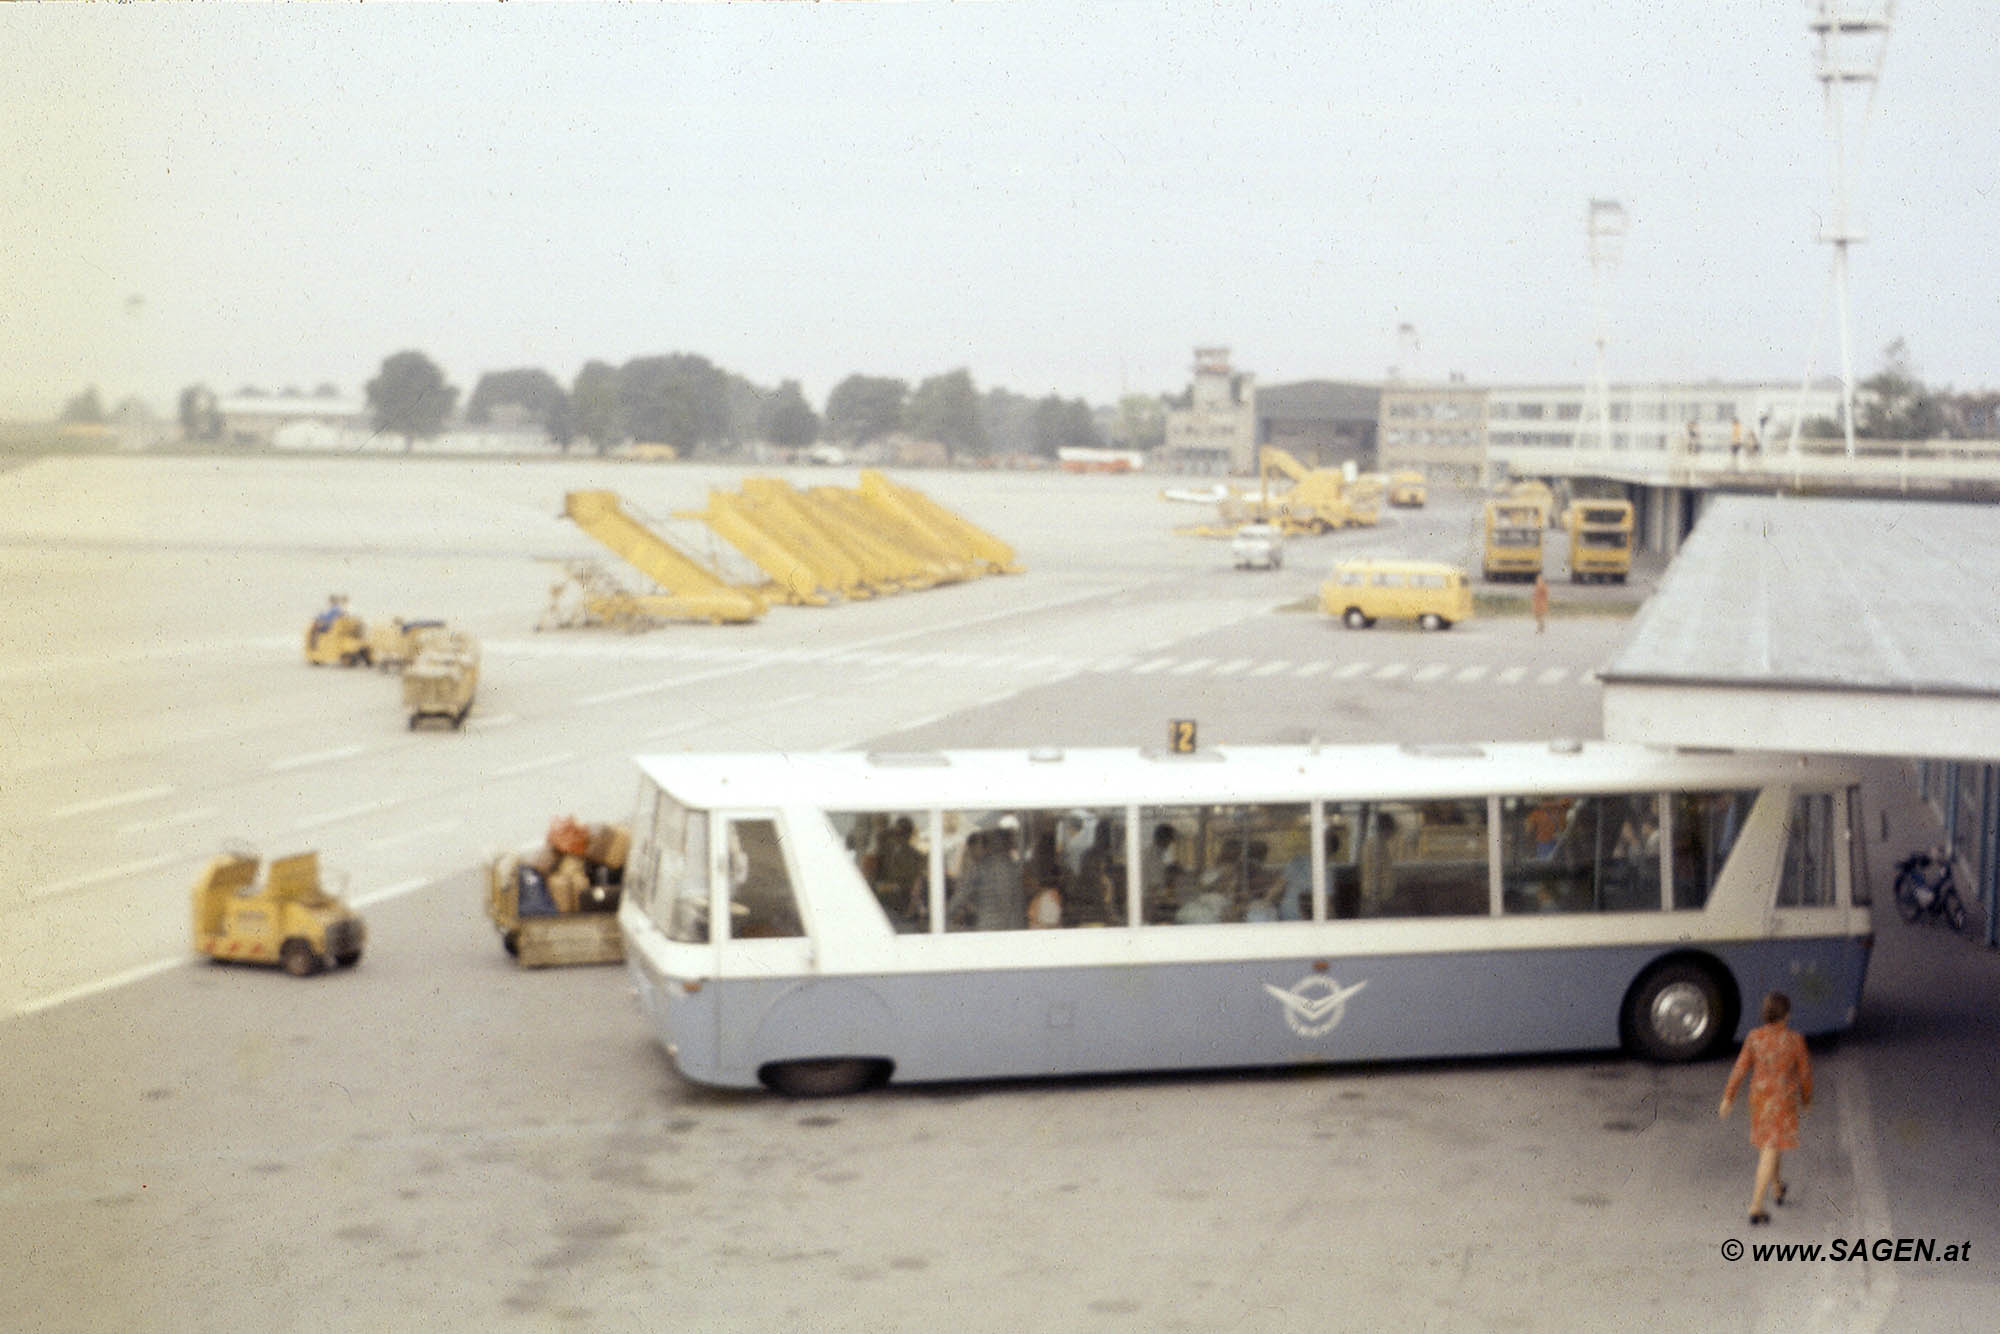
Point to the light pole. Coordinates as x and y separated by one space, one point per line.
1852 40
1605 225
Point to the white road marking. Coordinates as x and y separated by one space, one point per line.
166 821
413 834
1472 673
1551 675
1351 670
344 813
630 692
317 757
1148 668
130 975
1388 671
1430 672
529 766
1313 668
108 874
1857 1126
1511 675
1191 666
397 890
1233 666
132 798
1117 664
487 722
1273 668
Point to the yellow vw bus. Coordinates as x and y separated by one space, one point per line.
1361 591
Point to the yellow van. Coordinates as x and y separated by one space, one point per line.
1406 490
1361 591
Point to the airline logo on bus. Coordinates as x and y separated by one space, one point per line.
1314 1005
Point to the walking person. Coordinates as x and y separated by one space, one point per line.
1540 602
1781 1086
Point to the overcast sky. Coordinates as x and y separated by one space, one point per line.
1056 196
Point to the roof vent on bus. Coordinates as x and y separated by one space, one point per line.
1445 750
1046 755
908 759
1565 745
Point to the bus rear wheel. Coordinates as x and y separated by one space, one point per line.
1430 620
1354 620
1675 1012
825 1078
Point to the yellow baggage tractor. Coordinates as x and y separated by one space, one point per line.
285 917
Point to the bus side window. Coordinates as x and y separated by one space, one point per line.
1705 826
761 902
1579 854
891 850
680 890
1419 859
1210 864
1808 877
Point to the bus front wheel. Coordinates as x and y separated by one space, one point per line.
1675 1013
823 1079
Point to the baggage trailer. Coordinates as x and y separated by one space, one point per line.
557 904
441 680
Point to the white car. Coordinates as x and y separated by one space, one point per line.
1258 544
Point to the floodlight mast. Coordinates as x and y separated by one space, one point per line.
1605 224
1853 39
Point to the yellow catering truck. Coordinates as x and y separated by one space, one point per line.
287 918
1600 540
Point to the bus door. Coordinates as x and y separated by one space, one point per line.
776 998
764 933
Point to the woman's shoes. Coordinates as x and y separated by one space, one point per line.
1759 1218
1778 1196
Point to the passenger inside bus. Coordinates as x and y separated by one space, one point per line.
992 893
1098 896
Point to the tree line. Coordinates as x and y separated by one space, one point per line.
685 400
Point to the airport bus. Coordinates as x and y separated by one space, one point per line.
818 923
1600 540
1512 538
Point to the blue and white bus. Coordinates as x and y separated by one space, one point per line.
820 922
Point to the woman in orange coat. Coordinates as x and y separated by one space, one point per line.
1781 1086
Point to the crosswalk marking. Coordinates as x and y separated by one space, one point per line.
1050 666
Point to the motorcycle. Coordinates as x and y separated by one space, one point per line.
1927 888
